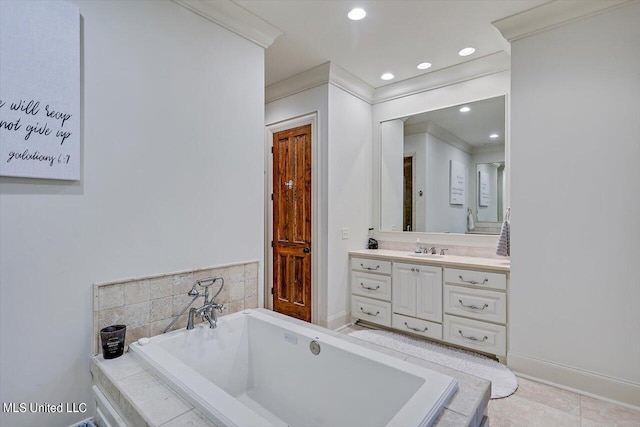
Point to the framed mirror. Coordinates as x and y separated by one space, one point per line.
443 171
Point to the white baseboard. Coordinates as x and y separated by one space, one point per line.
580 381
337 320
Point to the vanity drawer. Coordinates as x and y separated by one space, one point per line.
371 285
476 303
417 326
475 278
371 310
371 265
481 336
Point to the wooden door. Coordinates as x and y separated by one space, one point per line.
292 222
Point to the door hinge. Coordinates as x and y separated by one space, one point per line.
271 196
272 149
272 243
271 291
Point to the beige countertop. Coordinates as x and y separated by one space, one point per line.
494 264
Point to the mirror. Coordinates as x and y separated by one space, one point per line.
441 169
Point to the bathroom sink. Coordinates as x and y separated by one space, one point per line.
423 255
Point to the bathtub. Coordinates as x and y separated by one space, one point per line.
257 369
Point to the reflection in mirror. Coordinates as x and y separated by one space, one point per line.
438 165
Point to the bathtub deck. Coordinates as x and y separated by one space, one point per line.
144 400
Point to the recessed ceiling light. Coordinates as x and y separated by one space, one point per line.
423 65
357 14
387 76
494 136
466 51
465 109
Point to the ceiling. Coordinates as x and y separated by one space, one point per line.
394 37
474 126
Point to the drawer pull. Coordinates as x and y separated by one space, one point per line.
369 287
472 338
473 307
415 269
416 329
473 282
368 313
369 268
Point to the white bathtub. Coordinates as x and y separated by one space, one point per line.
256 369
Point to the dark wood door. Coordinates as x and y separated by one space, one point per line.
292 222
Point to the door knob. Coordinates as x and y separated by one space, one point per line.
306 250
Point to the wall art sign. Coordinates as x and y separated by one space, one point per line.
457 183
40 90
483 187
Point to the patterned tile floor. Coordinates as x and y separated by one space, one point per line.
535 404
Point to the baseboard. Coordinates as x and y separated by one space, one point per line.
337 320
584 382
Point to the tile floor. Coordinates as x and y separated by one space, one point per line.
535 404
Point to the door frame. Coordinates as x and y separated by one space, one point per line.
270 130
414 195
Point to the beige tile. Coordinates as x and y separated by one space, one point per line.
120 367
136 314
449 418
234 307
600 413
251 302
181 322
181 283
135 292
111 316
134 334
192 418
110 296
515 411
96 297
236 291
160 287
251 271
159 403
157 328
250 288
178 302
160 309
108 388
130 414
554 397
234 274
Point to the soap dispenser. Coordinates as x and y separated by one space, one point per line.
417 249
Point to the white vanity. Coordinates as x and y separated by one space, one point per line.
456 299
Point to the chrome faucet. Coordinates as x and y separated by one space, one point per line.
208 310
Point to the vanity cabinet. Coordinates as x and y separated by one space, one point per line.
464 306
371 290
475 306
417 299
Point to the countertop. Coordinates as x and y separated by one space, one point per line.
493 264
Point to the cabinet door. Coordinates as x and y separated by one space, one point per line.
403 289
429 293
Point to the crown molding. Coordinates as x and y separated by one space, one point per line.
551 15
317 76
235 19
479 67
309 79
339 77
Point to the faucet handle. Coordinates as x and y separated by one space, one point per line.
442 250
220 307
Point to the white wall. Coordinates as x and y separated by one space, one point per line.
172 179
391 174
434 212
575 287
344 174
349 190
312 101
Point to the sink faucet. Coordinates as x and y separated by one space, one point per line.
208 309
431 250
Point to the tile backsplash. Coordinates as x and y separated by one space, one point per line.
148 304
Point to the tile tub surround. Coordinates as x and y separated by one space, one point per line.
148 304
122 379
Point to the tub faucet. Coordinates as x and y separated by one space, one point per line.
208 309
